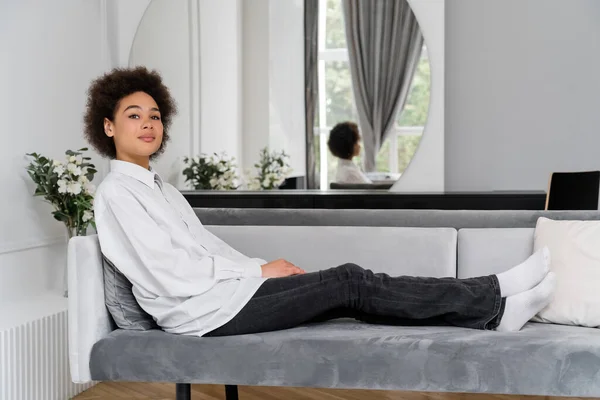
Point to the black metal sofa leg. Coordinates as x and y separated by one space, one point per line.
183 391
231 392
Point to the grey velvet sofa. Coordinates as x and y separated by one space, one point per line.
541 359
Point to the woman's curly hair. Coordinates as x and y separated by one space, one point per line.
342 139
103 99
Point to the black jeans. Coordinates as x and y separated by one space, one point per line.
351 291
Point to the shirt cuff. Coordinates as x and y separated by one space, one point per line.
259 260
252 269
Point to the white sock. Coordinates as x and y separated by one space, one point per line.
525 275
522 307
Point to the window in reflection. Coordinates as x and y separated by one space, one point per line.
336 103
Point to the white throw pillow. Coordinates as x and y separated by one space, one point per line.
575 258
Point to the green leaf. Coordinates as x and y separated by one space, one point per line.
87 205
60 216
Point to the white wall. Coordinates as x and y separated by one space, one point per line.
522 92
50 52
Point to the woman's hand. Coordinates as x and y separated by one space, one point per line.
280 268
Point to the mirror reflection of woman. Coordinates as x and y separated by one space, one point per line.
344 143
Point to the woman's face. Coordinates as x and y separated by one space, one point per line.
356 148
137 128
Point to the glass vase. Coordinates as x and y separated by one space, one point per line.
70 233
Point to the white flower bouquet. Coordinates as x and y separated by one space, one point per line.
67 186
211 173
271 170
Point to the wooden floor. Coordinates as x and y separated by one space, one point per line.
160 391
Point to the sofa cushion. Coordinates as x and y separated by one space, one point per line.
492 250
396 251
541 359
575 259
121 302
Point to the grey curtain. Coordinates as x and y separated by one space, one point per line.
311 94
384 46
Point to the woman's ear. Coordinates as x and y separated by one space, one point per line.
108 127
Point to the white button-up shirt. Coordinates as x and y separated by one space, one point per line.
188 279
348 172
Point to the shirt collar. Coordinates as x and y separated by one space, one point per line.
146 176
346 162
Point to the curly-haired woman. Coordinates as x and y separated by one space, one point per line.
193 283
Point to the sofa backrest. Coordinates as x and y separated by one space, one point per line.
408 218
492 250
89 320
393 250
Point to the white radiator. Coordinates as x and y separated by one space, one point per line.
34 361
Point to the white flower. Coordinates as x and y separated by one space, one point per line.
56 163
213 182
87 215
72 159
78 160
62 186
83 179
74 169
74 188
89 188
59 170
266 182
